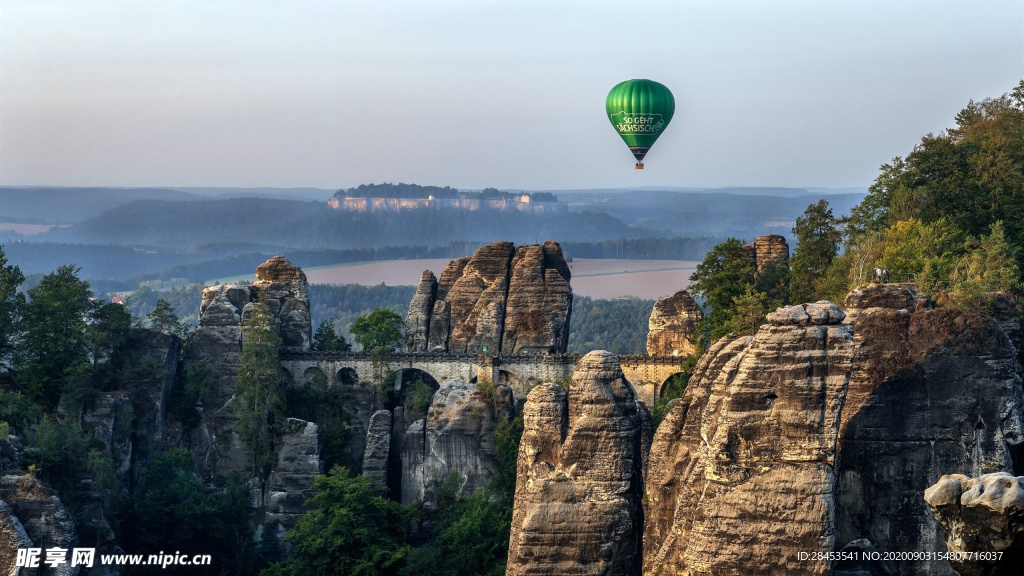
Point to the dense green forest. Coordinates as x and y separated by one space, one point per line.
609 325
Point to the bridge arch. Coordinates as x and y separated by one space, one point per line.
286 377
667 383
312 374
416 390
346 377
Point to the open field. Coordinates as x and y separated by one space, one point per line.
590 277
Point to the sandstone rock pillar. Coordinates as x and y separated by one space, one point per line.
579 485
674 320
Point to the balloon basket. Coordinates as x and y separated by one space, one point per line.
639 165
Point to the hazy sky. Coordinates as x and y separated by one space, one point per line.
483 93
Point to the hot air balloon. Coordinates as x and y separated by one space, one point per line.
640 110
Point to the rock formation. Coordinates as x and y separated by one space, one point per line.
217 344
820 433
983 519
539 302
417 321
12 537
378 446
457 437
41 514
872 298
502 300
741 472
291 479
934 392
579 487
673 322
287 292
765 251
477 300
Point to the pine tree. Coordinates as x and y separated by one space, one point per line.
327 340
818 238
163 319
259 395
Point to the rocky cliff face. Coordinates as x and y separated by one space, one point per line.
32 510
741 472
457 437
934 392
217 344
507 300
983 520
673 322
290 482
579 483
822 434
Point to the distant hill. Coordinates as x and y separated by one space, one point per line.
313 225
718 213
54 205
319 194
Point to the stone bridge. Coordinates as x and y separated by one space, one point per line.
647 374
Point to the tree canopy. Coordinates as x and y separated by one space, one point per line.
381 329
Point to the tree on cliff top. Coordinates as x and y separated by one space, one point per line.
52 354
971 175
722 277
818 237
381 329
259 397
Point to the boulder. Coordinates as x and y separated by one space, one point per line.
983 520
873 297
673 323
579 484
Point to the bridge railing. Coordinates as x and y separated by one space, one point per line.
554 359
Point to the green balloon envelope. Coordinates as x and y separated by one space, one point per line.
640 110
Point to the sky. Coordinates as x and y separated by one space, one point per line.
481 93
